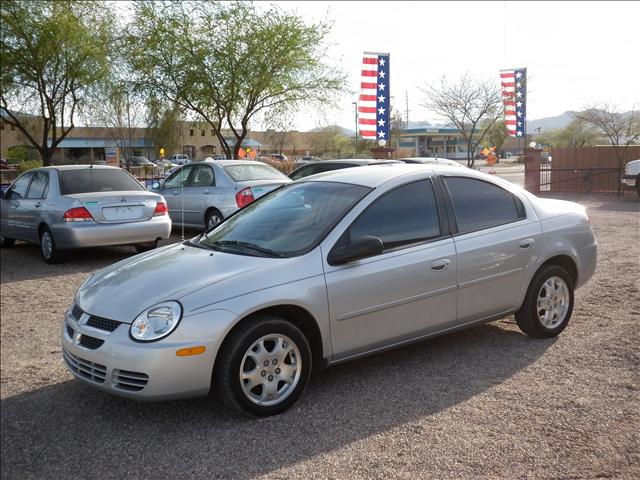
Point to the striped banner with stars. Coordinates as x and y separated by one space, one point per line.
373 103
514 98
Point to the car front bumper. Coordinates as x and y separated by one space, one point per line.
111 361
629 180
92 234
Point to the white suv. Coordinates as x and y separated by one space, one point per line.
631 177
179 159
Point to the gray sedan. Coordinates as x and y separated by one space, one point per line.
324 270
202 194
76 206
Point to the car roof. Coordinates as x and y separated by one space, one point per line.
373 176
77 167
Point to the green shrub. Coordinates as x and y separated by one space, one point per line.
28 165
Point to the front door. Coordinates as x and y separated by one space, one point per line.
172 191
407 291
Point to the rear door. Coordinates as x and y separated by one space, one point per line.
199 193
31 207
496 243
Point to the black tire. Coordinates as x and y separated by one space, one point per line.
145 247
226 383
212 218
528 317
6 242
48 249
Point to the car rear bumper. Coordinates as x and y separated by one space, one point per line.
629 180
92 234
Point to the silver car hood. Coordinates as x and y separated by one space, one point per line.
123 290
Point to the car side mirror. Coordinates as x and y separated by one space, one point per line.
157 185
361 247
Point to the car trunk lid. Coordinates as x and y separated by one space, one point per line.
118 207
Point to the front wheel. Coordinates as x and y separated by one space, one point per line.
213 218
548 305
263 367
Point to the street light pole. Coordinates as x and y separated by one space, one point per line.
355 104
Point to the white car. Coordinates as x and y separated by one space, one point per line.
179 159
631 177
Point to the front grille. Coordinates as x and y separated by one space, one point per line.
76 312
103 323
90 342
69 331
84 368
130 381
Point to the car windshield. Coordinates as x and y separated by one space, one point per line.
91 180
252 171
286 222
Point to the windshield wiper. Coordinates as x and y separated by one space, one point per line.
247 246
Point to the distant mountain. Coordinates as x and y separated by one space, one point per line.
344 131
551 123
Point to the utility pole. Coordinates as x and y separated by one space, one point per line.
355 105
406 93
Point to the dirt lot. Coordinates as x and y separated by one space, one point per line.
488 402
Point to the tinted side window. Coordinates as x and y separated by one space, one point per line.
479 204
304 172
327 167
403 216
177 178
19 188
38 185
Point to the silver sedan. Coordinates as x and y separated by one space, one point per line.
203 194
75 206
327 269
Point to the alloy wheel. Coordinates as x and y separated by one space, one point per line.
553 302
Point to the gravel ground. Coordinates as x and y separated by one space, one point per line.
487 402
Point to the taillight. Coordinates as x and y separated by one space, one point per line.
244 197
161 209
78 214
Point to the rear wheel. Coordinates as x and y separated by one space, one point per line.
212 218
48 249
6 242
145 247
548 305
263 367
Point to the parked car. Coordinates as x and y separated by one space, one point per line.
328 165
631 177
321 271
203 194
179 159
136 161
76 206
433 161
164 164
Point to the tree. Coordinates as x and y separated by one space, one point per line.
397 124
622 130
575 135
226 62
331 142
496 135
53 54
472 106
163 125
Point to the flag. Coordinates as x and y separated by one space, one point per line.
373 103
514 98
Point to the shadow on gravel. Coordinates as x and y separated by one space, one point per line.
70 430
23 261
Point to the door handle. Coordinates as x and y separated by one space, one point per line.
440 265
526 243
38 205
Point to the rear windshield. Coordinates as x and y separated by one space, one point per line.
242 173
91 180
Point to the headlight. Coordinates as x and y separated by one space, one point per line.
156 322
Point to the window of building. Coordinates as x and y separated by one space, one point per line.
202 133
213 133
191 132
478 204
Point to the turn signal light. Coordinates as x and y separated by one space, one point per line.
244 197
185 352
161 209
78 214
